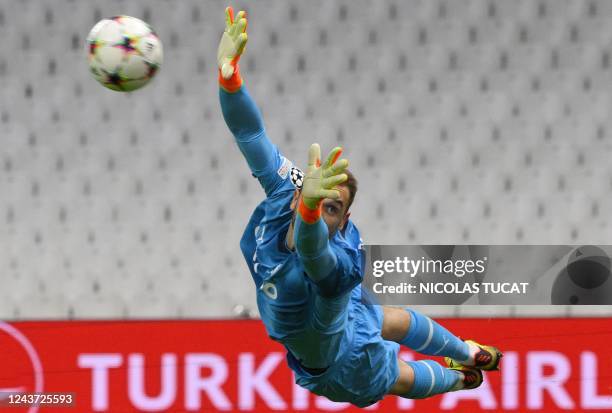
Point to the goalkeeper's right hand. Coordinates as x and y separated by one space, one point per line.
230 49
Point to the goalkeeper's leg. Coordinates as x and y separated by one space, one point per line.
423 335
425 378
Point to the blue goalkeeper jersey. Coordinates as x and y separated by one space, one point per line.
310 319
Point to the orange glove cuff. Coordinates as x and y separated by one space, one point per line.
234 83
310 216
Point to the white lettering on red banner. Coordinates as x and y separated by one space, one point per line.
235 367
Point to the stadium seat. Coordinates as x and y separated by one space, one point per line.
99 307
480 121
41 305
155 305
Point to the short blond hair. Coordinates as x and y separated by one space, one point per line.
352 185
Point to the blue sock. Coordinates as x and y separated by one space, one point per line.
428 337
430 378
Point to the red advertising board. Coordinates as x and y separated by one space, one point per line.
550 365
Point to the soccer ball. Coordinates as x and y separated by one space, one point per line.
124 53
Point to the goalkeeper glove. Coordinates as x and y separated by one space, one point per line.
319 181
230 49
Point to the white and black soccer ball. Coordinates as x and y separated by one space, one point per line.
123 53
297 177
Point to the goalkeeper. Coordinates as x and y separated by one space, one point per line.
305 256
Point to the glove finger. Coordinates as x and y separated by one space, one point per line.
240 27
332 157
246 23
229 18
314 156
241 43
240 24
332 181
330 193
233 31
336 168
241 15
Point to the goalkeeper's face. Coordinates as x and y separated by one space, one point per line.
335 211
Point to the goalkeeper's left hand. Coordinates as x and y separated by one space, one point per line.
231 47
320 181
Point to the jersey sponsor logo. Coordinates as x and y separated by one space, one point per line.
283 171
269 289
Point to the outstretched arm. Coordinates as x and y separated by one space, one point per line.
312 245
239 110
244 121
332 269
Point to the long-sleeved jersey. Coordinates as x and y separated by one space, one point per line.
308 314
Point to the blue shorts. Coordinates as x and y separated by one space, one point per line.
368 366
